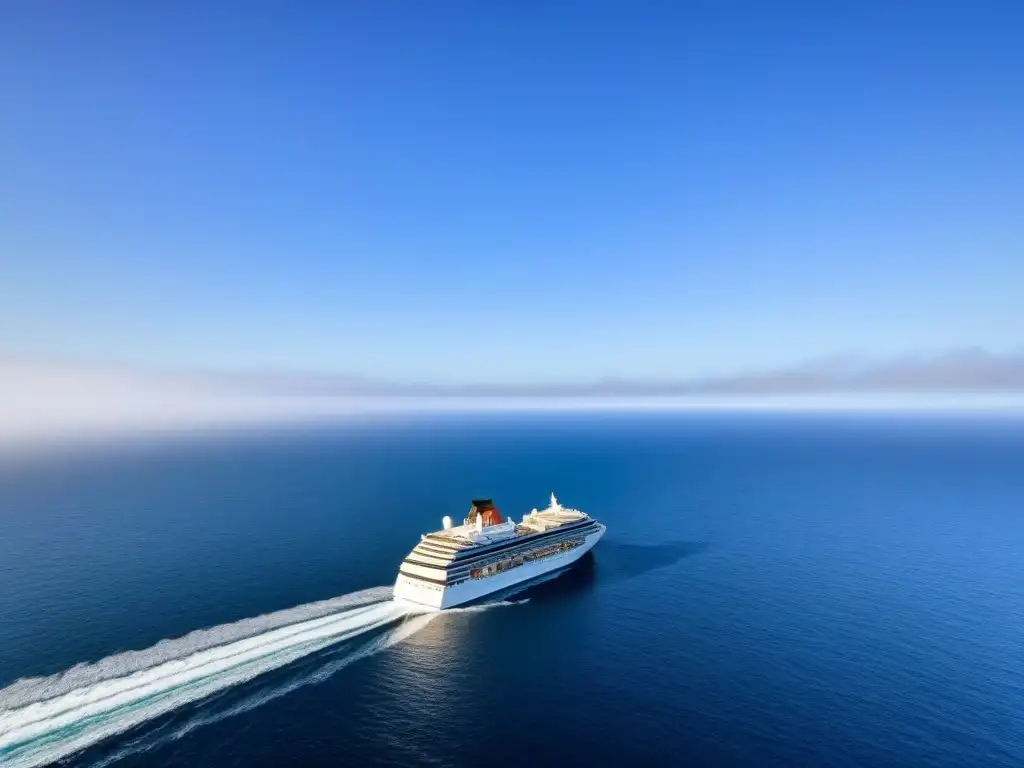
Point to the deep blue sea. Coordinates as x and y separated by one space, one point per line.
773 589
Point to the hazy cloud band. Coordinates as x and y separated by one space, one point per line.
53 400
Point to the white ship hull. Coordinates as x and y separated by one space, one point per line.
426 595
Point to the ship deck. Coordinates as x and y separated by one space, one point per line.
465 538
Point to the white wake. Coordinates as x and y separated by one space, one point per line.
148 742
44 719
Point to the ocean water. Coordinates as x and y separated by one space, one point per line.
773 589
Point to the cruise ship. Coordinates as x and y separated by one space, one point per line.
486 554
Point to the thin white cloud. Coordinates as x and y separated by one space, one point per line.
955 372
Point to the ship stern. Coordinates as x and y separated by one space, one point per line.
418 594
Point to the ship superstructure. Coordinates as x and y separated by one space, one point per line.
487 553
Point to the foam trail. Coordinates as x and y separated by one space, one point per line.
29 690
156 740
44 719
416 621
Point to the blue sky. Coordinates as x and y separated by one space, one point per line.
510 191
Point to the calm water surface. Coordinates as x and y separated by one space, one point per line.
772 590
